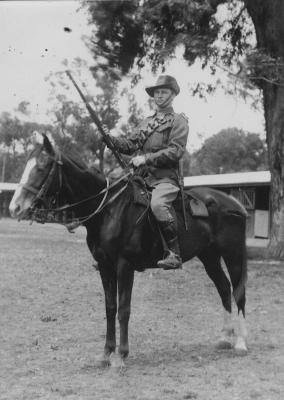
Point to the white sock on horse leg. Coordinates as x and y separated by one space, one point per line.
240 345
225 341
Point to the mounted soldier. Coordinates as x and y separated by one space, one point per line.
161 141
56 185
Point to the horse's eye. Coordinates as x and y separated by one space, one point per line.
42 161
40 167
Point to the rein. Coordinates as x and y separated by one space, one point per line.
102 205
105 190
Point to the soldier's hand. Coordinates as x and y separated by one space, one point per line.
138 160
105 129
107 134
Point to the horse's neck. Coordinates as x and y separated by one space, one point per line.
80 184
110 220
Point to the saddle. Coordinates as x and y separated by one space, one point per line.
193 205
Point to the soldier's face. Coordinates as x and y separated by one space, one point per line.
163 97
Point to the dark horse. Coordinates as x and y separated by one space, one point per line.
123 238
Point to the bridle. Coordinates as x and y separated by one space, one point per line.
65 214
42 191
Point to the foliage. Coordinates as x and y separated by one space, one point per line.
151 30
15 142
230 150
73 124
134 111
135 32
218 32
121 32
73 130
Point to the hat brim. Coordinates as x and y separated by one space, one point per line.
150 90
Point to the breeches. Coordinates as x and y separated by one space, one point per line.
163 194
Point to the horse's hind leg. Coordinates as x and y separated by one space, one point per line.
236 264
212 263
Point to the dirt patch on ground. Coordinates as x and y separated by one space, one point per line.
53 324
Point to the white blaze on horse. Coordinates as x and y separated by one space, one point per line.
124 238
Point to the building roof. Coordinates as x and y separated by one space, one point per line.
7 186
235 179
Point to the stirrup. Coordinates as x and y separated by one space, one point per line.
172 261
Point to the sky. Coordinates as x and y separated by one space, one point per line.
33 44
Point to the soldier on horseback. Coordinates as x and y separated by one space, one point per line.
161 140
56 183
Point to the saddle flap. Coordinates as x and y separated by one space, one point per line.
141 195
194 206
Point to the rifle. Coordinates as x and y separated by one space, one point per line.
96 120
181 186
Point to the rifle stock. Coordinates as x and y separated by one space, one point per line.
96 120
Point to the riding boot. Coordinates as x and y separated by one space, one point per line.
173 259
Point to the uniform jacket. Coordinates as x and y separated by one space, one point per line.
162 138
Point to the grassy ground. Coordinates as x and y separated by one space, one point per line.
53 324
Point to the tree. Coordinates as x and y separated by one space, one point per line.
73 129
23 107
230 150
15 141
135 32
74 126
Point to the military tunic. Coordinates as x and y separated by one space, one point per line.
162 138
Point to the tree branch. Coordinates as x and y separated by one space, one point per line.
238 16
215 3
240 77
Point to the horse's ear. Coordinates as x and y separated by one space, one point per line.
37 138
47 144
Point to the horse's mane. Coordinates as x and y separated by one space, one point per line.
75 159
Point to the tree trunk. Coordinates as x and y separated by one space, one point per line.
3 174
268 19
274 115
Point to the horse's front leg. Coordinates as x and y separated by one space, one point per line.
125 277
226 338
109 281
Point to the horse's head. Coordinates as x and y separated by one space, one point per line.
38 169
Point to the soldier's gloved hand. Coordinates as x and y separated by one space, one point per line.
106 131
137 161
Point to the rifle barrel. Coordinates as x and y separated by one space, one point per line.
96 120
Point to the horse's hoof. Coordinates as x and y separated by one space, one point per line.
102 362
240 347
117 363
224 344
241 352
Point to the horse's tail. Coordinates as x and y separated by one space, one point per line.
239 290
